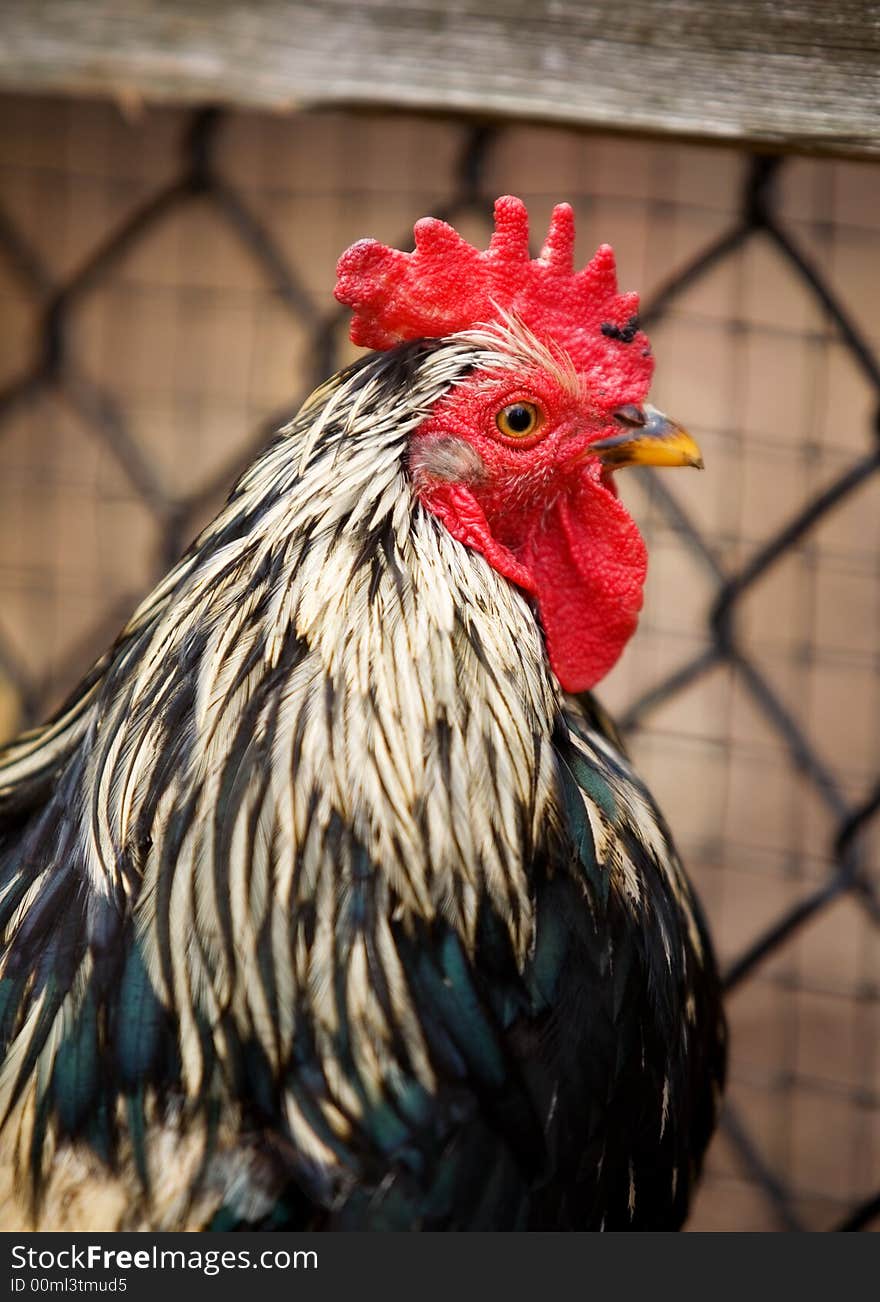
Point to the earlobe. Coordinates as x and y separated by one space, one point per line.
447 458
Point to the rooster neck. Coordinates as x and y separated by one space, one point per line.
422 709
430 713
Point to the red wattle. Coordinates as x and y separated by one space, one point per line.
466 520
583 559
588 562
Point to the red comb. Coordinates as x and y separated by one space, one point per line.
446 285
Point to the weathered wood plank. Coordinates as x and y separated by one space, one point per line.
803 76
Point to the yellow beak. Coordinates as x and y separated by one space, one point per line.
656 442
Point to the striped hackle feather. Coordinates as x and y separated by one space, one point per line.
322 905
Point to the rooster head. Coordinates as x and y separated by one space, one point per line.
517 458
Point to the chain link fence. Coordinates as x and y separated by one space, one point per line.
53 369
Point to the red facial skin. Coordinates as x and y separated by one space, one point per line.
541 513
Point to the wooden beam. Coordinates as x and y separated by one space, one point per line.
798 76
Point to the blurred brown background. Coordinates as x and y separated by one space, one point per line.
179 349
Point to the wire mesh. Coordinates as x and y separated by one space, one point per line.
53 369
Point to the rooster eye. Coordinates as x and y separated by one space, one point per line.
518 420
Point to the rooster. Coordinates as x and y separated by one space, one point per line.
329 899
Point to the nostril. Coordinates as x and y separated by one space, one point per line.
631 416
